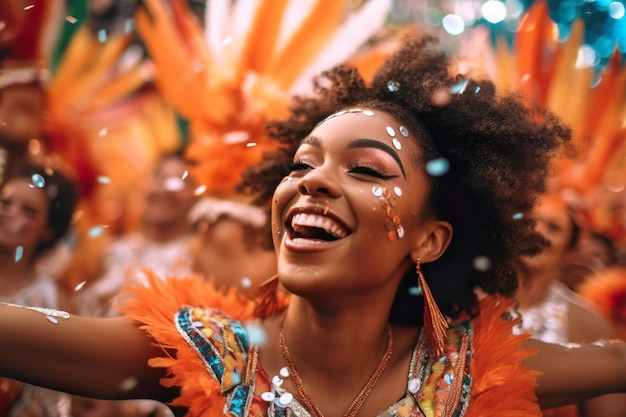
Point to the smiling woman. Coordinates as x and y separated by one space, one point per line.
36 208
391 203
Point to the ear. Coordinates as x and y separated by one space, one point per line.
432 240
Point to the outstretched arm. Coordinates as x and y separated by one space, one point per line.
99 358
573 374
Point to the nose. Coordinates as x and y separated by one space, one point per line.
318 181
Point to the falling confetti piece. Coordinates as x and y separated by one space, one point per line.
71 19
437 167
459 88
185 175
518 216
236 378
246 282
96 231
129 25
80 286
104 180
102 35
19 252
251 144
38 181
415 291
482 263
201 189
128 384
103 132
256 334
29 7
173 184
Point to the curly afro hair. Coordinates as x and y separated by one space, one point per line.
498 150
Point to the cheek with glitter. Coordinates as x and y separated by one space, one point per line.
387 201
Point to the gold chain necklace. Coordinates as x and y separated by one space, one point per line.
359 400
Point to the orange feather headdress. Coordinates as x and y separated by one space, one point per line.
240 70
551 74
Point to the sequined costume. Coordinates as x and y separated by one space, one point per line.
32 400
123 263
548 322
217 369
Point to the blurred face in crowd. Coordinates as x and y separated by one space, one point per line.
170 192
592 255
24 211
21 109
555 224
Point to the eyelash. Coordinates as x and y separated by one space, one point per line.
297 166
369 170
363 169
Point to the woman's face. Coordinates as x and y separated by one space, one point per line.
23 215
554 224
170 193
348 214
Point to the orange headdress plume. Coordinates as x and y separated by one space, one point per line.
231 76
551 74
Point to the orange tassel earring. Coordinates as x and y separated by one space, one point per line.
435 324
268 301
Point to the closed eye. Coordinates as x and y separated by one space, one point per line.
372 172
298 166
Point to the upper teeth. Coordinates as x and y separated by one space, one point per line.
315 220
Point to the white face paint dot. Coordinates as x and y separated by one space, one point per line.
404 131
368 113
284 372
246 282
377 190
397 191
400 232
396 143
390 131
52 320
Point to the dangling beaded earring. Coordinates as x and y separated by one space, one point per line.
435 324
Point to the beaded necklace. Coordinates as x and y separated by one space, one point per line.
359 400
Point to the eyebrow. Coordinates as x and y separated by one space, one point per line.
361 143
371 143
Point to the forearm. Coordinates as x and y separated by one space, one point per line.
572 375
100 358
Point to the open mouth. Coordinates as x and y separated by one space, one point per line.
316 227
